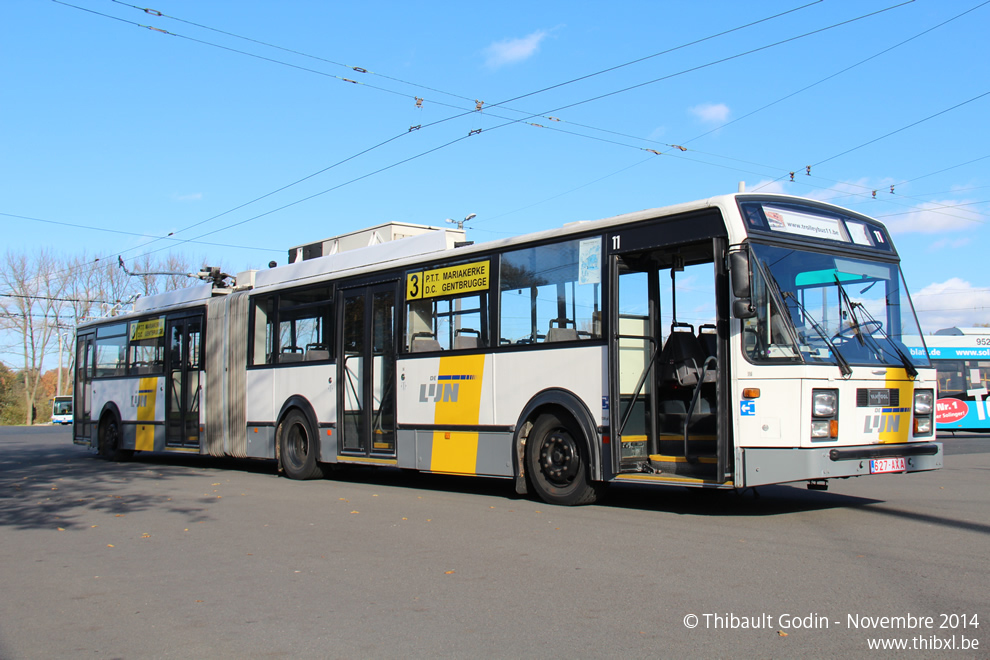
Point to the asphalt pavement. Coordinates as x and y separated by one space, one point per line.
184 556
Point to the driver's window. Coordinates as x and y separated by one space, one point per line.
768 336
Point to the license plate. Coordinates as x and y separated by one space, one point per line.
881 465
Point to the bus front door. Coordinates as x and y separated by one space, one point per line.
366 371
184 386
82 421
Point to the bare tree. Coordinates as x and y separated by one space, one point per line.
32 293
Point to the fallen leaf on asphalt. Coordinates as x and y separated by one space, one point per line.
61 529
109 545
781 633
355 511
448 572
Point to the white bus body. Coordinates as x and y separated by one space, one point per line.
737 341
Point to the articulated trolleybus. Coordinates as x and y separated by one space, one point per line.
732 342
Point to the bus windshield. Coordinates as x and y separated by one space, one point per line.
810 305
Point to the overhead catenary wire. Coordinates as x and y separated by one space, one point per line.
534 115
403 134
809 168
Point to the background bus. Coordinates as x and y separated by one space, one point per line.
962 360
62 410
736 341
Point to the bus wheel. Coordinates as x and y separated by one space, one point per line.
298 447
111 439
557 463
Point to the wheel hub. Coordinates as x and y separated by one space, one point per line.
559 458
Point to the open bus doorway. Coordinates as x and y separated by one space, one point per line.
671 363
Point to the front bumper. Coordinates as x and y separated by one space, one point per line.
761 466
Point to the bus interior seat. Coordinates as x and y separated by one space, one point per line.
682 357
290 356
561 332
471 340
708 337
425 341
315 354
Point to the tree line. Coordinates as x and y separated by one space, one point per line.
43 296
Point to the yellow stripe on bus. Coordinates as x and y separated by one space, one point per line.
147 394
460 376
898 425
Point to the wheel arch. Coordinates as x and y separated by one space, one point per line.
559 401
109 409
301 403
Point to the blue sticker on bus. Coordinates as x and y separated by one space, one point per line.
747 408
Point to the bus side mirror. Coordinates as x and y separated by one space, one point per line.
742 306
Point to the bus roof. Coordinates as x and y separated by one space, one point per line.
409 250
962 331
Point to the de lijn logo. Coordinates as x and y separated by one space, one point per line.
445 389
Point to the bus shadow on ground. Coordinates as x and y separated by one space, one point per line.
764 501
43 487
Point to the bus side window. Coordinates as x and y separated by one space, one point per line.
447 324
262 331
551 293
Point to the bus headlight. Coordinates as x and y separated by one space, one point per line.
924 404
825 414
824 403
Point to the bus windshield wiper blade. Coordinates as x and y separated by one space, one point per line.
905 360
783 297
854 323
843 363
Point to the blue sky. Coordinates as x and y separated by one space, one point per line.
108 125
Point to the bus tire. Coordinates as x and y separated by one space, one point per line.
298 447
110 440
557 462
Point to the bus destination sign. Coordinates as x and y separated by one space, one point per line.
450 281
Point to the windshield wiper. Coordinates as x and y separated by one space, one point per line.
844 367
840 359
905 360
857 330
851 306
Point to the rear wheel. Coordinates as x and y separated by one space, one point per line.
111 440
557 462
298 447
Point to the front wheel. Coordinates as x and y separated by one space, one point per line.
557 462
298 447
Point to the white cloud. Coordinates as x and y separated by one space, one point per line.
711 113
939 216
191 197
513 51
953 303
950 244
934 217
